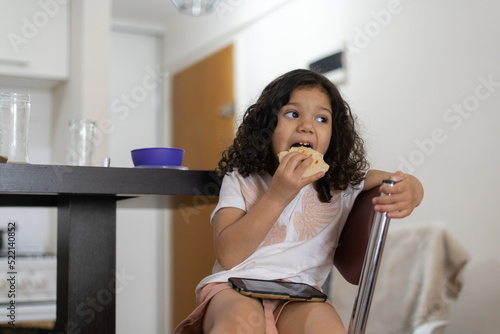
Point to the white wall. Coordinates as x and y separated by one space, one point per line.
86 93
136 114
410 65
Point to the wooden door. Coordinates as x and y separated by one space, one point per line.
204 128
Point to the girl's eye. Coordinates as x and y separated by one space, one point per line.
322 119
291 114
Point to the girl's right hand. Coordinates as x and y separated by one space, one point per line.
287 180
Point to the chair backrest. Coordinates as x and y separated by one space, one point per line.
353 240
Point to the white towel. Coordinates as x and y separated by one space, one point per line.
419 275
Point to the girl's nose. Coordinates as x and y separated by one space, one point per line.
305 126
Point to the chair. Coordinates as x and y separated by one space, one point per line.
353 240
359 253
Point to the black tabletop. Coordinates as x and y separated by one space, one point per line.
38 181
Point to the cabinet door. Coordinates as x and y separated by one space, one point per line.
34 39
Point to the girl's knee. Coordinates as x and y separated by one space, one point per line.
235 314
248 312
249 320
305 317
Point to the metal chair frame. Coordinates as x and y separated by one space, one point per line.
359 254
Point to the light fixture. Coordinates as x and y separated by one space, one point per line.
195 7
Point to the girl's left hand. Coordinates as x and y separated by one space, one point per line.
401 198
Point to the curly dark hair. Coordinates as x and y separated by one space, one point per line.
251 151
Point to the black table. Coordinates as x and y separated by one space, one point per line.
85 198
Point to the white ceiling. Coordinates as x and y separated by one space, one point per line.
152 11
164 12
205 34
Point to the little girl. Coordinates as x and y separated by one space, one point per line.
271 223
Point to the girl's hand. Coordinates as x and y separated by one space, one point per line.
287 180
403 197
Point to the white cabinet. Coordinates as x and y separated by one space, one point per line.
34 41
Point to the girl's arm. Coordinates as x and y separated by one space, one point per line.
237 233
406 194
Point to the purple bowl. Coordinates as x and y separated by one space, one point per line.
157 156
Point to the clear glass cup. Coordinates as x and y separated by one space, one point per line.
82 142
14 126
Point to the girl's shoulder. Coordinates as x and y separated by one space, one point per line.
235 174
234 178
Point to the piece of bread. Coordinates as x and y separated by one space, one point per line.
318 164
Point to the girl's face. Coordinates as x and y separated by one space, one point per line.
306 120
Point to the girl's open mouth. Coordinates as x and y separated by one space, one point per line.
301 145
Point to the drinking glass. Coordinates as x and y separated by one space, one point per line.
14 126
82 142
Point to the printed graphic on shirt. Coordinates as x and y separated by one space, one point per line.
251 192
315 214
276 234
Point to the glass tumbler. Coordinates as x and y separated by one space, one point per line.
14 126
82 142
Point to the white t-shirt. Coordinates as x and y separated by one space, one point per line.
301 244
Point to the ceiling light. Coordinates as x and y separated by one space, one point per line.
195 7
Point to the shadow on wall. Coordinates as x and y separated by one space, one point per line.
481 292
